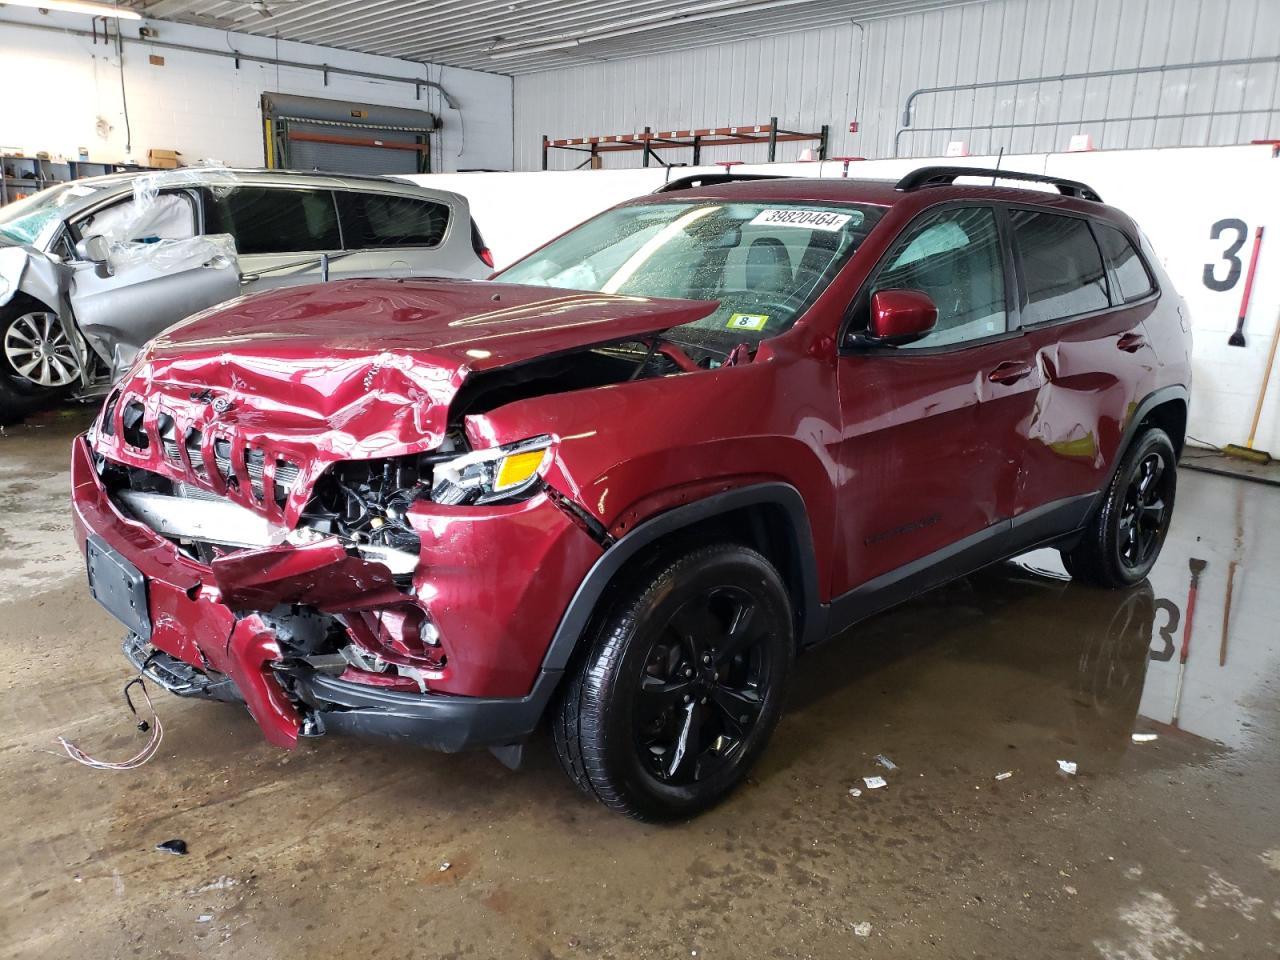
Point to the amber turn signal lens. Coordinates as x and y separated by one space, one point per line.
517 469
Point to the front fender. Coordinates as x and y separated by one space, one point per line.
26 270
13 264
628 452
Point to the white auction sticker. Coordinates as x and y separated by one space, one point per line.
805 219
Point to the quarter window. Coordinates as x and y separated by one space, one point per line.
1126 266
385 220
955 258
1061 266
270 220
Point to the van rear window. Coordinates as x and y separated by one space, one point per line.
387 220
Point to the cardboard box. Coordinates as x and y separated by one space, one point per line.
163 159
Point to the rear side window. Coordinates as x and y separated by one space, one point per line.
955 258
273 220
1127 268
1061 266
386 220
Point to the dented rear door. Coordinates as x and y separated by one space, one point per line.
1093 353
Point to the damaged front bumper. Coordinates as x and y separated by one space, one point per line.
331 705
187 636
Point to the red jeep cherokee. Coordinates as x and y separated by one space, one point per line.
624 485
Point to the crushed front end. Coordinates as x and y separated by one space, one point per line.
411 596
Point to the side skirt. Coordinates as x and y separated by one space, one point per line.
1044 525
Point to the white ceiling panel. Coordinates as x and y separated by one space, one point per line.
524 36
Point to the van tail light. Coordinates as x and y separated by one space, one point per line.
479 246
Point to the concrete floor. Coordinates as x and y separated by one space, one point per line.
1153 851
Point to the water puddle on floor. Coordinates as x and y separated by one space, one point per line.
1019 666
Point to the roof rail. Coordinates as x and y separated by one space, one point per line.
712 179
941 176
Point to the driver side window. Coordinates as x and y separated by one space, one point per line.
954 257
171 216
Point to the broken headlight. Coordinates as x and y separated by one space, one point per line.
485 476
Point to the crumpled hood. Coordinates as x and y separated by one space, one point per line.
301 378
365 368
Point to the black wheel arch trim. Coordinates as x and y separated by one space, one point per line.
810 611
1155 398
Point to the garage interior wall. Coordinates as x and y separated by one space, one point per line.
203 105
866 71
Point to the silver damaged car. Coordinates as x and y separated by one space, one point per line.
92 269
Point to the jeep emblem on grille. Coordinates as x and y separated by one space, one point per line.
220 404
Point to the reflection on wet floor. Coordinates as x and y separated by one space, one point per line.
1025 648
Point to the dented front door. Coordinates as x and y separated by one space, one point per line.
147 290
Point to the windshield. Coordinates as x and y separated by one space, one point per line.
764 262
24 220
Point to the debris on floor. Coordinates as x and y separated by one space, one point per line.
862 929
221 883
855 792
1004 776
1144 737
1068 767
204 918
875 783
886 762
445 866
174 846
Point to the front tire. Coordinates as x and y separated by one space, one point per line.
1122 541
681 687
38 362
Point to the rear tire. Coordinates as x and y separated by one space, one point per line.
1122 540
681 687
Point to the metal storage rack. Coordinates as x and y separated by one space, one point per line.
21 176
769 134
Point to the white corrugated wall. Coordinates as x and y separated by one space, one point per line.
866 72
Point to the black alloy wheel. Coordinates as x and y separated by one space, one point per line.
1144 517
700 692
681 686
1121 541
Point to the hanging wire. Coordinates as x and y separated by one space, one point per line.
124 97
148 751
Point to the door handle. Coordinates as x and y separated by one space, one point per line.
1131 342
1010 371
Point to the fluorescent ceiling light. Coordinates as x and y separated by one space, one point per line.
713 10
79 6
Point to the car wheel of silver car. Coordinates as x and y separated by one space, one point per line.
38 362
37 349
682 686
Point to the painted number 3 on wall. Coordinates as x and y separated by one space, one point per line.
1220 231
